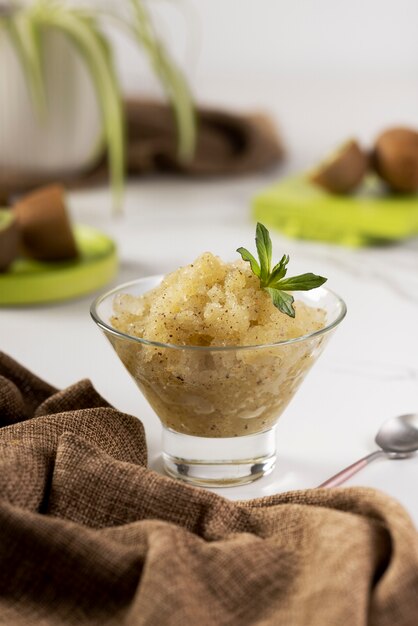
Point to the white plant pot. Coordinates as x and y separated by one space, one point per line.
70 137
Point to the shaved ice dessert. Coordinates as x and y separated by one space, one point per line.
214 355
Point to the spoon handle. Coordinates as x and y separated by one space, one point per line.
346 473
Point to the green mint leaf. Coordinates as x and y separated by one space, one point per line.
264 249
273 281
282 301
247 256
304 282
279 270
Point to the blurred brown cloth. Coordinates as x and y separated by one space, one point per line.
90 536
227 144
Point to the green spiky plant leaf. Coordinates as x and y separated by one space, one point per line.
25 27
25 36
82 30
171 77
273 281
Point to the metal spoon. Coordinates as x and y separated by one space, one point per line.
397 438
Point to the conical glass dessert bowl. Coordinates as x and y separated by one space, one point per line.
218 405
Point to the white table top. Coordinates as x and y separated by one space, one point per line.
368 373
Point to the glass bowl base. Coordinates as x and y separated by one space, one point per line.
219 461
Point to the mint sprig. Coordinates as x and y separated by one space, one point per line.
273 281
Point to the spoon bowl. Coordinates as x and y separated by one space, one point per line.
399 434
397 438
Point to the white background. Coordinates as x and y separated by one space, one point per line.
273 37
325 69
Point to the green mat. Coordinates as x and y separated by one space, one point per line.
32 282
303 210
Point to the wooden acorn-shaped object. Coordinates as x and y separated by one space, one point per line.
343 171
395 159
9 238
44 225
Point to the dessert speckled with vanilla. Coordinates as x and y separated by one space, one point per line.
211 304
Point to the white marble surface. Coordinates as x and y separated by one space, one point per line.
368 372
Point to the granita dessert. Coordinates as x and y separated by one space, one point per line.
225 354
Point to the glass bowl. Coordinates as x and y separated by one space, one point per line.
218 405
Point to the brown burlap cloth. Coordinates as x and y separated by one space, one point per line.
89 535
227 144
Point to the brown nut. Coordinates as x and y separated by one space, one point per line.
44 225
395 159
343 171
9 238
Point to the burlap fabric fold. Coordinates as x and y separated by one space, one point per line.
228 144
89 535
